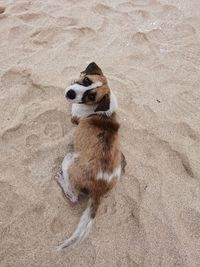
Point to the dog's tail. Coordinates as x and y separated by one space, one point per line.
84 224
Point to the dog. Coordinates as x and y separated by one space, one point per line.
95 162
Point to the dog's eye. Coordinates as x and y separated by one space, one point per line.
92 97
86 81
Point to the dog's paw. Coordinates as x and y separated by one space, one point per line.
72 197
59 175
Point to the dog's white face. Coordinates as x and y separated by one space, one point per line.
76 91
91 89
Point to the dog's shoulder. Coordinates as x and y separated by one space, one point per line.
102 122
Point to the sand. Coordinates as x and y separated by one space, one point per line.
150 51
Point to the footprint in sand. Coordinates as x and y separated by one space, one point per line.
190 219
66 21
21 85
20 7
57 226
81 34
14 77
171 35
51 36
14 203
53 122
13 133
53 130
49 125
39 209
19 34
32 140
103 9
33 18
125 7
110 208
2 9
186 164
69 71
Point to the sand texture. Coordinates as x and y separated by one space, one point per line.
150 51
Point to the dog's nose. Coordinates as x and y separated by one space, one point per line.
71 94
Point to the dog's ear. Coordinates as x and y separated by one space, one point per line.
92 68
104 104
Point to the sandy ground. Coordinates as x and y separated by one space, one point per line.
150 51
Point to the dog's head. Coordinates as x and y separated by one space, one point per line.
90 89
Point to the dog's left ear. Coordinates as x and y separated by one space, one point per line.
104 104
92 68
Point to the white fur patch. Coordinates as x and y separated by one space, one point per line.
68 160
82 110
81 231
66 185
80 90
109 176
113 104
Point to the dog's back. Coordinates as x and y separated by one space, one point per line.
96 139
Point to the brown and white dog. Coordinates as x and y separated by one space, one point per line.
95 162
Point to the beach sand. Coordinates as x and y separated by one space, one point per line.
150 52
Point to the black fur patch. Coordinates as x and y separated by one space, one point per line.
104 104
92 69
85 82
88 96
85 191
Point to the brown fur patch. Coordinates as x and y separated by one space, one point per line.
96 140
100 188
107 136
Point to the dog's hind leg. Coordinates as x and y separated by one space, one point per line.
62 177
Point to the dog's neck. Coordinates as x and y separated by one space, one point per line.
82 110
